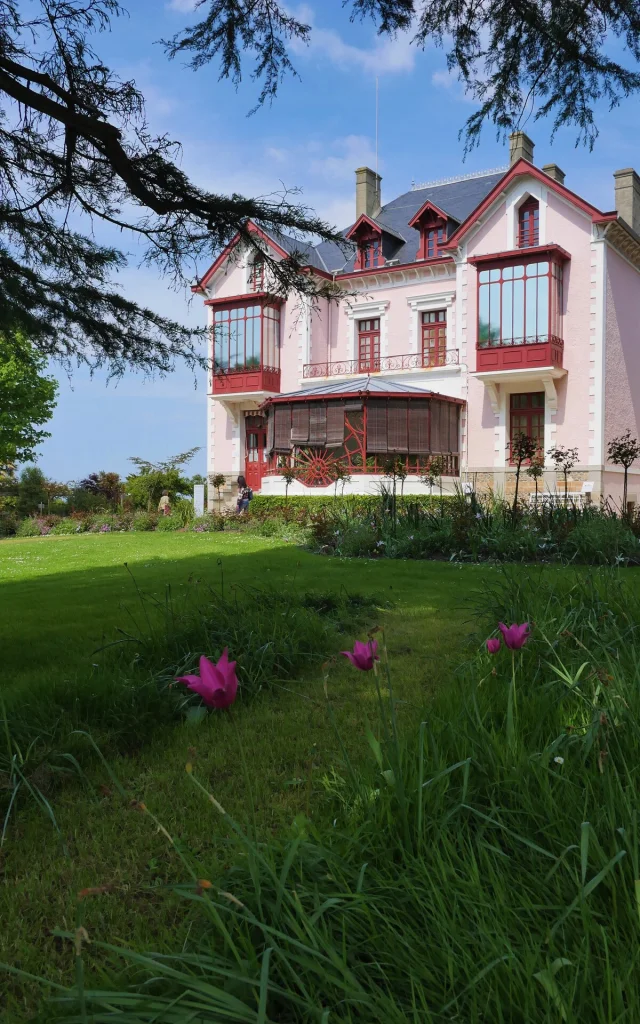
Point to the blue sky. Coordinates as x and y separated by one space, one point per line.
319 129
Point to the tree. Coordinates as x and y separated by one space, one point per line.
535 470
434 472
105 485
27 400
342 476
553 58
288 474
218 480
76 148
623 451
145 487
32 491
564 459
521 448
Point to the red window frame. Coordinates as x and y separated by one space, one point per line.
534 301
369 253
529 224
246 336
526 416
434 240
434 337
369 345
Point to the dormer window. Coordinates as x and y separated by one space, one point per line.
528 224
436 237
367 236
256 275
431 222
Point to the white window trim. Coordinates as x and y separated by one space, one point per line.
528 188
427 304
365 311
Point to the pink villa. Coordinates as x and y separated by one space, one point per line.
474 309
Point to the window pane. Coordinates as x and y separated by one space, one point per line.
531 320
494 275
483 315
507 273
483 276
518 271
543 306
494 311
543 268
507 311
518 310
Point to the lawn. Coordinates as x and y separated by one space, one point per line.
60 599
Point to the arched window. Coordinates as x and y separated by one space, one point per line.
528 224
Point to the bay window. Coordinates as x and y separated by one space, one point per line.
246 338
520 303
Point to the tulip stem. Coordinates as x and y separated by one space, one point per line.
512 709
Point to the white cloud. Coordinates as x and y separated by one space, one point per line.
449 80
183 6
348 152
387 55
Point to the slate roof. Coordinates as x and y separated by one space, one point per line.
456 198
368 385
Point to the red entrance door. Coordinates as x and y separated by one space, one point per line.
255 456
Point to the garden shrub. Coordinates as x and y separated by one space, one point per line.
30 528
208 523
144 521
68 526
167 524
306 505
183 509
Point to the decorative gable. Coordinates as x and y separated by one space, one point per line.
431 222
367 236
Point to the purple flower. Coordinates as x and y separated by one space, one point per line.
105 528
363 655
216 684
493 644
515 636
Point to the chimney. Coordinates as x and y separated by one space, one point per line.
367 192
627 189
520 148
554 172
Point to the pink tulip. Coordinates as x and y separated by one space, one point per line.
515 636
216 684
363 655
493 644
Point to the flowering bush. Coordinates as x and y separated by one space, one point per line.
29 528
68 526
144 521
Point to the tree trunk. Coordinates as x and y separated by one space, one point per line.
624 491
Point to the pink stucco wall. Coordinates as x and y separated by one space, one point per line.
622 363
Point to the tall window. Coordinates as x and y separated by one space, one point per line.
256 275
369 254
435 237
434 338
527 416
528 224
369 345
245 338
519 304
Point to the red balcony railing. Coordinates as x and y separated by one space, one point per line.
522 354
381 364
247 379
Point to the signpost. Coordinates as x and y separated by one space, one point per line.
198 499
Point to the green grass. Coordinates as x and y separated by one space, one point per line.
60 599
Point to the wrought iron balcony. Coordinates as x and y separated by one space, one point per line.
382 364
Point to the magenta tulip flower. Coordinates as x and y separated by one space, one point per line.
216 684
363 655
515 636
493 644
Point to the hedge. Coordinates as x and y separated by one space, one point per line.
271 504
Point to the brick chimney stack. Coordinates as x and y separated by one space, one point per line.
627 191
520 148
367 192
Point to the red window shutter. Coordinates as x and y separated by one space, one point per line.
335 424
419 425
300 423
270 430
454 427
439 429
377 426
282 440
397 425
317 423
